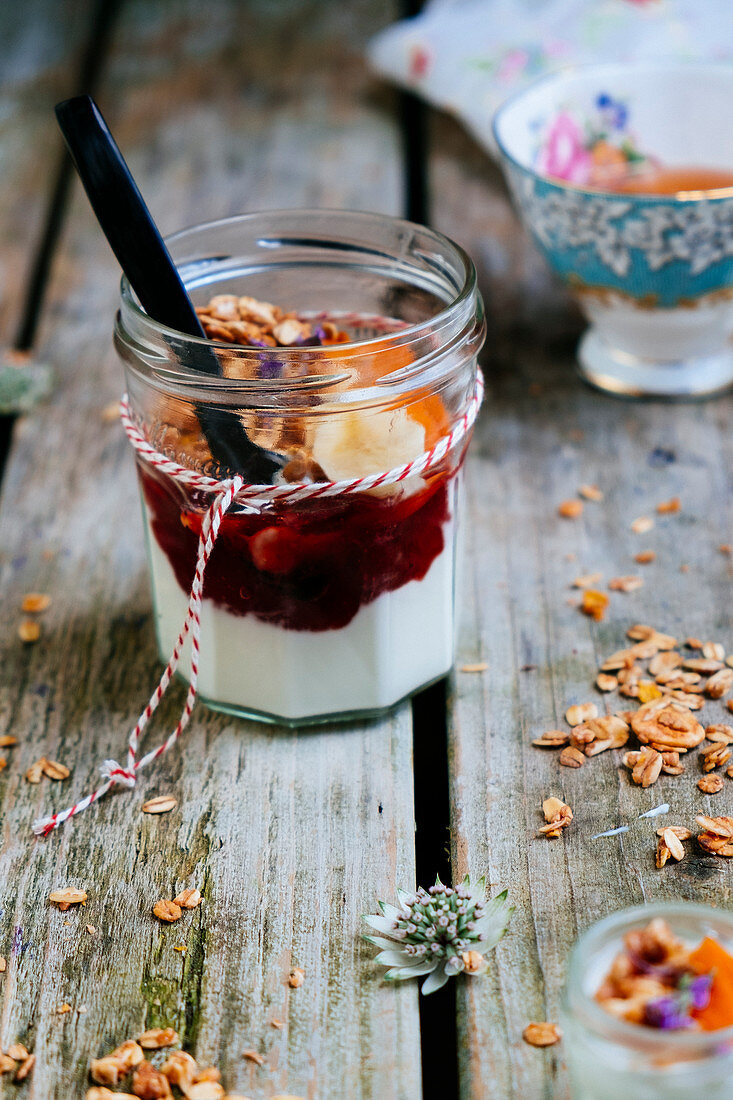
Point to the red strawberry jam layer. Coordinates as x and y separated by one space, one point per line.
309 566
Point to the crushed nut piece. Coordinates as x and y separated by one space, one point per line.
551 739
558 816
180 1068
641 525
720 826
188 899
666 507
645 557
64 1009
720 683
253 1056
158 1037
570 757
106 1071
3 967
107 1094
586 580
666 661
679 831
580 712
7 1064
591 492
570 509
662 854
671 763
714 650
149 1083
667 724
35 772
542 1035
714 756
25 1068
297 977
704 665
674 844
166 910
278 1024
480 666
54 770
159 805
35 602
128 1054
647 767
205 1090
594 603
712 841
606 682
625 584
29 631
710 784
66 897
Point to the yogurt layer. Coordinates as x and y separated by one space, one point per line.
398 642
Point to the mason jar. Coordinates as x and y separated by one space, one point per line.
610 1058
315 607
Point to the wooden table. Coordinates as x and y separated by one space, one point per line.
233 106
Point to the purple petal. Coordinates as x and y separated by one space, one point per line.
699 990
665 1013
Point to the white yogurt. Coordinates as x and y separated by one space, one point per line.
393 645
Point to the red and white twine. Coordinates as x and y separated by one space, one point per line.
227 492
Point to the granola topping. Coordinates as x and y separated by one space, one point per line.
656 980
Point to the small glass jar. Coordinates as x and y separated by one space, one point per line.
610 1058
322 608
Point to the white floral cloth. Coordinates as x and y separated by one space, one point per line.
467 56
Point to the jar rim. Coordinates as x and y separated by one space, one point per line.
411 331
621 1031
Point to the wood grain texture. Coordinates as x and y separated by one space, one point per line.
290 837
39 57
540 436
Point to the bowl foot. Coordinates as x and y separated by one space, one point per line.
626 375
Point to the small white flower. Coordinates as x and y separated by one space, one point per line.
440 933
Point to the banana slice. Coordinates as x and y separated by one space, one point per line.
370 442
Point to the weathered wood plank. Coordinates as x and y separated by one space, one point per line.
39 58
541 435
290 837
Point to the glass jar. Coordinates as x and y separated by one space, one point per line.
330 607
610 1058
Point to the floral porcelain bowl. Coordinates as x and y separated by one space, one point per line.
652 272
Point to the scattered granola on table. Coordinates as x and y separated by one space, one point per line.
668 684
154 1082
658 981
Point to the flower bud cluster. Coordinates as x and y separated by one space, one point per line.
439 923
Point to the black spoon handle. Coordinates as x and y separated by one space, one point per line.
136 242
